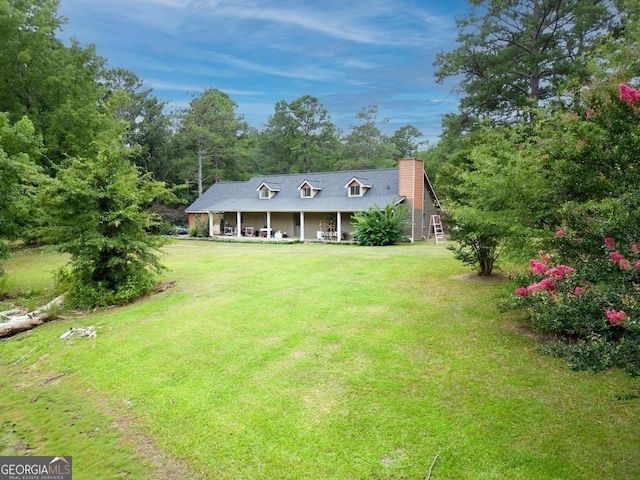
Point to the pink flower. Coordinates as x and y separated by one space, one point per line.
578 290
625 264
560 271
582 142
638 264
616 257
544 258
521 291
560 233
544 284
628 94
590 113
615 317
610 242
537 267
635 248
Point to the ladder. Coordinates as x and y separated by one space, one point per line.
435 226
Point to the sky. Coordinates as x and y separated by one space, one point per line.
349 54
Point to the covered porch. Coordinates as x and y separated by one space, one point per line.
303 226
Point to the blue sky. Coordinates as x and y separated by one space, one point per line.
347 53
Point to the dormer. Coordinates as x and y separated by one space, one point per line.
307 190
356 188
266 192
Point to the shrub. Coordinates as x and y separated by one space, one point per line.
478 237
377 227
596 310
97 215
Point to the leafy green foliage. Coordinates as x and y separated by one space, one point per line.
97 215
53 84
128 100
298 137
20 147
514 56
594 306
495 195
366 146
378 227
406 140
592 168
215 135
201 227
477 239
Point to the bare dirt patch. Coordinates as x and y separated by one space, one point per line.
166 466
474 277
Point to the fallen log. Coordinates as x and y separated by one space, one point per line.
9 313
21 323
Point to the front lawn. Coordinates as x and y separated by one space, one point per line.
296 361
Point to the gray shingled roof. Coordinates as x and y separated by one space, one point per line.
244 197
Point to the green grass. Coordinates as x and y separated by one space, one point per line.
313 361
29 278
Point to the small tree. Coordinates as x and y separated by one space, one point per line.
378 227
97 215
478 238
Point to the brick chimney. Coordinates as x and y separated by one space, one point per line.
412 187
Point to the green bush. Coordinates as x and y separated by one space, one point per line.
378 227
97 214
201 227
596 310
477 237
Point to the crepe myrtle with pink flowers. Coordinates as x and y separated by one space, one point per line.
597 315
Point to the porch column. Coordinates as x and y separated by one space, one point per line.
210 215
302 226
268 224
239 223
339 226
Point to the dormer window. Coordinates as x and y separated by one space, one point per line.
356 188
266 192
307 190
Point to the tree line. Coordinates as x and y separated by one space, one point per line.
71 95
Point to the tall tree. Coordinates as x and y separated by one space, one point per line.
299 137
316 134
516 55
407 140
278 141
366 146
128 100
217 135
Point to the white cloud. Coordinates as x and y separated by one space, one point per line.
183 87
305 72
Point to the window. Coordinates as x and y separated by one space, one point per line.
264 193
354 191
306 192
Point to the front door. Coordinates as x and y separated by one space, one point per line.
296 225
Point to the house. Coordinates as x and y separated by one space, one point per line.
310 206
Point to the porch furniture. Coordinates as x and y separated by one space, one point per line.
248 231
265 232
